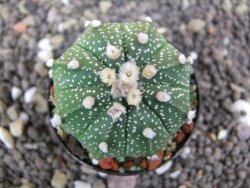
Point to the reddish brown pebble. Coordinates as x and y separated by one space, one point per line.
211 30
153 164
188 128
179 138
106 163
143 163
182 186
128 164
115 167
168 154
20 27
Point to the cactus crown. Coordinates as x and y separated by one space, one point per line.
122 90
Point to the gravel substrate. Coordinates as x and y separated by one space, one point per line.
216 32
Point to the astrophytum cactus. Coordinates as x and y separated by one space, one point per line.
121 90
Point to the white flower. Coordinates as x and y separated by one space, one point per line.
112 52
134 97
116 111
149 133
142 38
88 102
163 96
108 76
129 72
149 71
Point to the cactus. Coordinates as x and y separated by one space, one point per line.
121 90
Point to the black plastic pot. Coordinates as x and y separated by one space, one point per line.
90 165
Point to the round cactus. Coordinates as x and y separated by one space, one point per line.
121 90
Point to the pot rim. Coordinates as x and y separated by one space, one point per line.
96 168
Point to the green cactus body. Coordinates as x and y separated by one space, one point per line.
114 113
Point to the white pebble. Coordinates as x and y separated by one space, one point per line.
95 162
102 175
29 95
96 23
148 19
16 92
175 174
88 102
149 71
191 115
50 73
16 128
163 96
73 64
49 63
81 184
164 168
7 138
182 59
154 157
185 152
142 38
59 179
24 117
222 134
112 52
244 120
56 120
86 24
194 55
103 146
45 55
44 44
149 133
241 106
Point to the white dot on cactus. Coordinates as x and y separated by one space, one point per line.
182 59
108 76
163 96
96 23
49 63
129 72
56 120
148 19
191 115
86 24
73 64
116 111
149 71
103 146
142 38
50 74
134 97
149 133
88 102
112 52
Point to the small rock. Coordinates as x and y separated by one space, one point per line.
45 55
44 44
7 138
241 106
122 182
57 41
86 170
12 112
222 134
52 15
227 5
243 132
66 25
175 174
104 6
41 69
16 128
196 25
182 186
16 92
102 175
185 4
81 184
41 103
59 179
164 168
186 152
99 184
241 9
29 95
29 21
20 27
2 106
89 14
24 117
